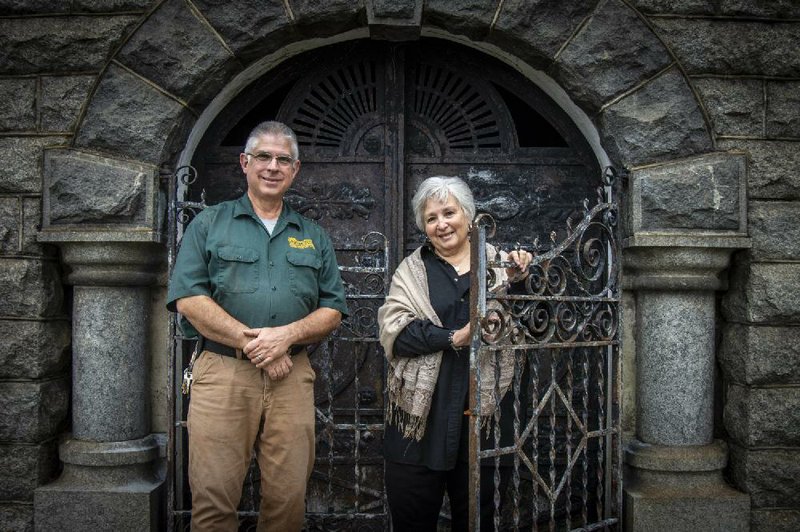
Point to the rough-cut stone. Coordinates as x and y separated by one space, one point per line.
764 293
178 52
20 218
534 30
659 121
700 193
62 97
732 47
736 106
18 112
327 17
130 118
16 516
110 6
250 33
597 65
29 288
21 170
31 224
773 168
33 349
783 108
752 354
749 8
393 8
24 467
775 520
10 213
33 410
742 8
34 7
770 476
774 229
59 44
763 416
677 7
83 188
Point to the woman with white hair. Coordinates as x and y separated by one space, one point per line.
425 333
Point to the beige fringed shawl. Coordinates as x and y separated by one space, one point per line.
411 381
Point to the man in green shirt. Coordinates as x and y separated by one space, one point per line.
258 282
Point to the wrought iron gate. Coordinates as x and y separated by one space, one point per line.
346 487
562 336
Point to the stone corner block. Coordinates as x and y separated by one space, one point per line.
16 516
87 192
705 194
764 293
31 349
763 416
770 476
33 410
754 354
24 467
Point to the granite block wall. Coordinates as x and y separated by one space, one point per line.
51 54
739 56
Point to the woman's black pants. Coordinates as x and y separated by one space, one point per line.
415 494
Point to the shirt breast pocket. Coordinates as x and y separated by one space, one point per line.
238 269
304 275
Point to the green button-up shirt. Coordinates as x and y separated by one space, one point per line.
260 279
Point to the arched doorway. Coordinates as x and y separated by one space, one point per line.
373 120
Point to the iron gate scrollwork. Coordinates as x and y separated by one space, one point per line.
563 330
346 487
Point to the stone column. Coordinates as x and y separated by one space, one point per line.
674 468
686 220
109 479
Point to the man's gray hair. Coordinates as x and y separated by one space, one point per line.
272 127
439 188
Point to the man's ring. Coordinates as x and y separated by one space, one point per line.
258 358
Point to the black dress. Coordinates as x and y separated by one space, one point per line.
446 436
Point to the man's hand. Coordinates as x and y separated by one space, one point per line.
278 369
269 349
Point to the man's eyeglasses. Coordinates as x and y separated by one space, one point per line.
265 158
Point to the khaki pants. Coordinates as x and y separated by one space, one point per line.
233 407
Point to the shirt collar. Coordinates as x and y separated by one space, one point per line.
244 207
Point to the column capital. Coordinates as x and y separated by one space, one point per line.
678 262
112 263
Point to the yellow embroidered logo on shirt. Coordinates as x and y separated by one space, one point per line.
301 244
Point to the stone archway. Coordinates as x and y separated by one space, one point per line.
103 204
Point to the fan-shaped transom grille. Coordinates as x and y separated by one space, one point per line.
331 107
337 108
444 100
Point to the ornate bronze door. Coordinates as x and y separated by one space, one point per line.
374 119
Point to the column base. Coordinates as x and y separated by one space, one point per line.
681 489
104 486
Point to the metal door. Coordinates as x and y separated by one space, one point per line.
374 119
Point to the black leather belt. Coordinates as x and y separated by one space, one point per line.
228 351
222 349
